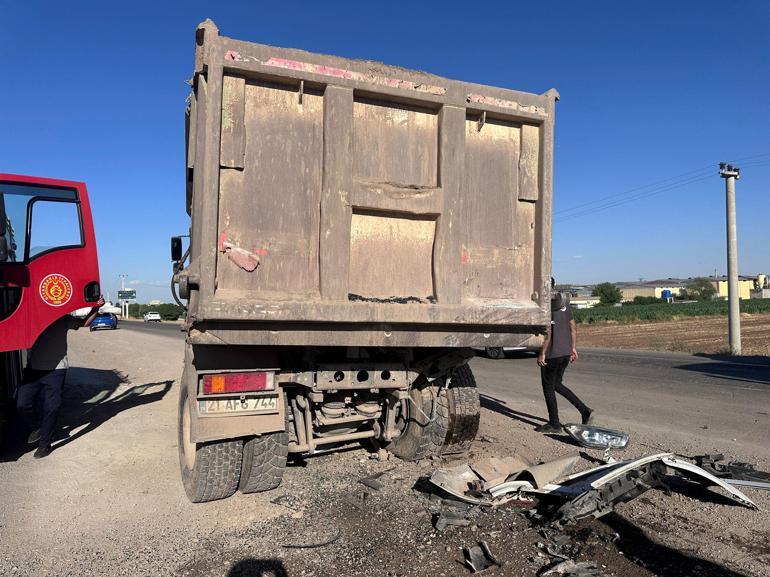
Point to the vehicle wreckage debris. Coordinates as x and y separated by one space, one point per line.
594 492
595 437
446 518
570 568
735 473
479 558
373 481
323 543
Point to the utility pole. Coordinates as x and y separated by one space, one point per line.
732 173
123 302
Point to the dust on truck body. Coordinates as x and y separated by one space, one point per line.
356 230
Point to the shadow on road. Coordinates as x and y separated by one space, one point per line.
88 401
660 559
498 406
754 369
251 567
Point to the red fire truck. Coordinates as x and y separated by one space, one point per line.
48 265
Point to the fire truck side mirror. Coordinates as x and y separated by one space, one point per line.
176 248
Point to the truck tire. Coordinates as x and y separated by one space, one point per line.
422 438
264 459
464 410
210 471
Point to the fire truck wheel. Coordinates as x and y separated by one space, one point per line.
264 459
464 411
423 420
211 470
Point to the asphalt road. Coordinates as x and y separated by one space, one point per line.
726 401
710 398
162 328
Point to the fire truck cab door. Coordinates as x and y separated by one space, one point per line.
49 267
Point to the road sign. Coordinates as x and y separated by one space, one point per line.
127 295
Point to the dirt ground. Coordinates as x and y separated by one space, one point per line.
687 335
109 501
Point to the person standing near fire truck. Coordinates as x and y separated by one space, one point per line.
44 380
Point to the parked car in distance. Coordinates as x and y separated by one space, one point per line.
151 317
104 321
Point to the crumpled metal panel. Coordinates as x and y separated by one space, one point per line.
690 469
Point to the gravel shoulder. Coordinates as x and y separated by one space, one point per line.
109 499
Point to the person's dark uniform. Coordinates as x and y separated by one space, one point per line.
44 380
557 353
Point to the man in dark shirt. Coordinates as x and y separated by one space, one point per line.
44 378
558 351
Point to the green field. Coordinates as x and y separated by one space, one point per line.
665 311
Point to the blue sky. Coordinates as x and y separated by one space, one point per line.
95 91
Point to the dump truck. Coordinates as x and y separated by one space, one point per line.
356 231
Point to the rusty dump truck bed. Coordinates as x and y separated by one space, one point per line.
347 202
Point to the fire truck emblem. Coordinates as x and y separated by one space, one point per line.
56 290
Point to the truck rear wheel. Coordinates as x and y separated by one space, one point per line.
421 437
211 470
264 459
464 410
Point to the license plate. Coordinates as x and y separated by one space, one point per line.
215 406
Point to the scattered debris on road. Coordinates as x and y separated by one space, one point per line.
734 472
316 545
373 481
594 492
569 568
595 437
447 518
479 558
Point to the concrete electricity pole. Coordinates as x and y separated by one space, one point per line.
123 302
732 173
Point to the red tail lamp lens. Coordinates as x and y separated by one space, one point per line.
237 383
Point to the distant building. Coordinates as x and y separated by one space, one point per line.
745 285
762 293
154 303
654 288
676 287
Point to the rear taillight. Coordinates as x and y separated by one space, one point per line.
237 383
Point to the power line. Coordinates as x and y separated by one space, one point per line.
742 158
689 174
653 189
643 195
756 164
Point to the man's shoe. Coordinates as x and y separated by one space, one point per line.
588 417
34 437
42 451
548 428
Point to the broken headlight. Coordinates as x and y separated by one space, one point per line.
597 437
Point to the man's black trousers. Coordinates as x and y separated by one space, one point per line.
551 376
47 386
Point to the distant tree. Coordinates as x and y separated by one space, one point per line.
608 293
167 311
700 289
